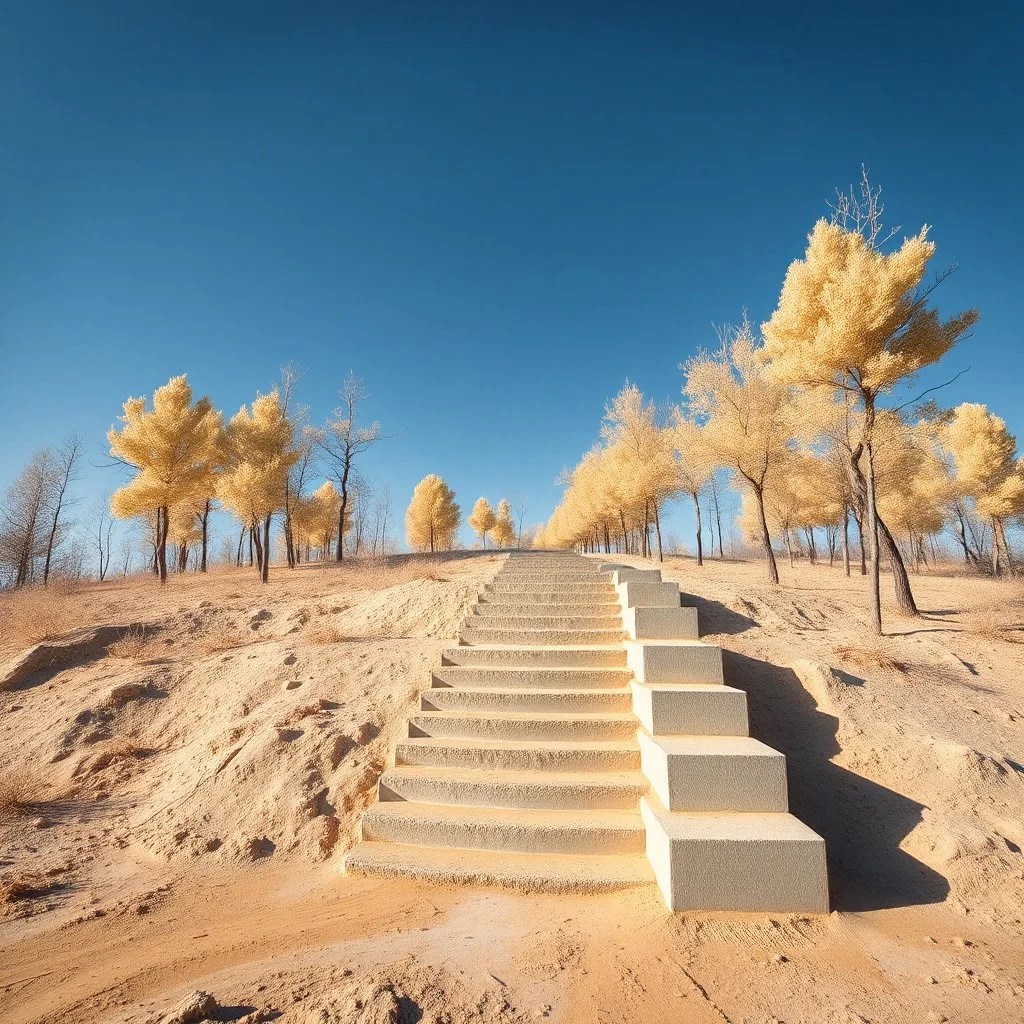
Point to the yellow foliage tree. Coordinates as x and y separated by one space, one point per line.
316 519
852 318
482 519
433 515
504 526
260 454
749 419
175 447
984 454
694 466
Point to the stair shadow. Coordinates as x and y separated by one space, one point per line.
861 822
714 617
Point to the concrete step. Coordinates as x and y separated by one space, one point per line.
496 677
586 701
497 616
526 637
535 586
525 872
743 862
571 603
504 828
523 789
512 725
555 576
690 709
714 773
521 755
536 657
674 661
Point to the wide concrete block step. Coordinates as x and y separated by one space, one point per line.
523 871
586 701
535 586
491 677
506 829
690 709
553 616
553 576
521 755
512 725
740 862
536 657
525 636
522 789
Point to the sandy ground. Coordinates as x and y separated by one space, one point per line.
173 812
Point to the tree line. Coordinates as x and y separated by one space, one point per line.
793 412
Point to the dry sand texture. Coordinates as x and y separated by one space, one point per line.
180 777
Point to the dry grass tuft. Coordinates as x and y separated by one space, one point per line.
20 793
224 638
871 658
32 615
325 633
131 645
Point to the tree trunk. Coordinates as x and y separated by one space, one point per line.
339 554
872 524
901 581
657 530
206 520
846 540
265 574
700 538
766 541
162 527
718 517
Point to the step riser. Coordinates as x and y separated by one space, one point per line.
590 605
542 637
474 835
523 701
560 590
536 796
565 730
542 874
489 618
526 658
521 679
549 759
553 578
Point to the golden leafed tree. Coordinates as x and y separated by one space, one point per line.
316 520
175 447
695 467
504 526
853 318
987 470
433 515
482 519
749 419
260 453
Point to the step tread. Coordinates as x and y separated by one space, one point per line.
551 872
551 820
530 716
563 780
472 743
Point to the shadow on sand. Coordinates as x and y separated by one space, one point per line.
862 822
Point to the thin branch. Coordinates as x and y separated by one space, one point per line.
928 391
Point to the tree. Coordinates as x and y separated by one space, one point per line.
342 440
482 519
504 527
749 420
316 519
174 447
984 455
260 454
695 468
433 515
23 515
852 318
65 472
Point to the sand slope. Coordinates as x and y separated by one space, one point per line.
194 797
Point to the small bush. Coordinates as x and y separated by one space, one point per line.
131 645
20 793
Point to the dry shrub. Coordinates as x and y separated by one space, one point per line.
223 638
33 614
20 793
326 633
131 645
871 658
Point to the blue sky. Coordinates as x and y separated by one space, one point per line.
493 217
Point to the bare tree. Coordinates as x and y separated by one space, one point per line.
342 440
520 515
23 514
65 472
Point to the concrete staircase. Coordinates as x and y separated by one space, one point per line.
580 738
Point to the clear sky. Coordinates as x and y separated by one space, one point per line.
493 216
